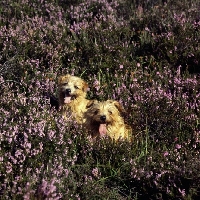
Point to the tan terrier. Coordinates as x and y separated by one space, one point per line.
105 118
72 92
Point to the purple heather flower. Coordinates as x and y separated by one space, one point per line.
178 146
182 192
95 172
166 153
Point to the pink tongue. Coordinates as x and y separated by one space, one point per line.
67 99
102 129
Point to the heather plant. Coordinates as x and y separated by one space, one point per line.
144 54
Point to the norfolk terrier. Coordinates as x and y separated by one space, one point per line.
105 118
72 92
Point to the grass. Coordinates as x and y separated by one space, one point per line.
144 55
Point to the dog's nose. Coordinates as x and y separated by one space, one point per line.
68 91
103 118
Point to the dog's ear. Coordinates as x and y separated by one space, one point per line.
119 107
59 79
85 86
91 103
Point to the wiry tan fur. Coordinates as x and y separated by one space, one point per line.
75 89
111 112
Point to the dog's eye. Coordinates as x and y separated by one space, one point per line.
110 112
76 87
96 112
65 83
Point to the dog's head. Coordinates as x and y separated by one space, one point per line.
104 113
71 87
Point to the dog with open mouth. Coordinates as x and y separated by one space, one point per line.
105 119
72 92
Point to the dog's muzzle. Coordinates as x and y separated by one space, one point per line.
68 92
67 96
102 125
103 118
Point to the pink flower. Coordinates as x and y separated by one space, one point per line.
166 153
95 172
177 146
182 192
176 139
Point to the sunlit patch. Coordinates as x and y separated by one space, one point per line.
104 118
72 92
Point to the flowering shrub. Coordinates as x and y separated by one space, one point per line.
144 54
